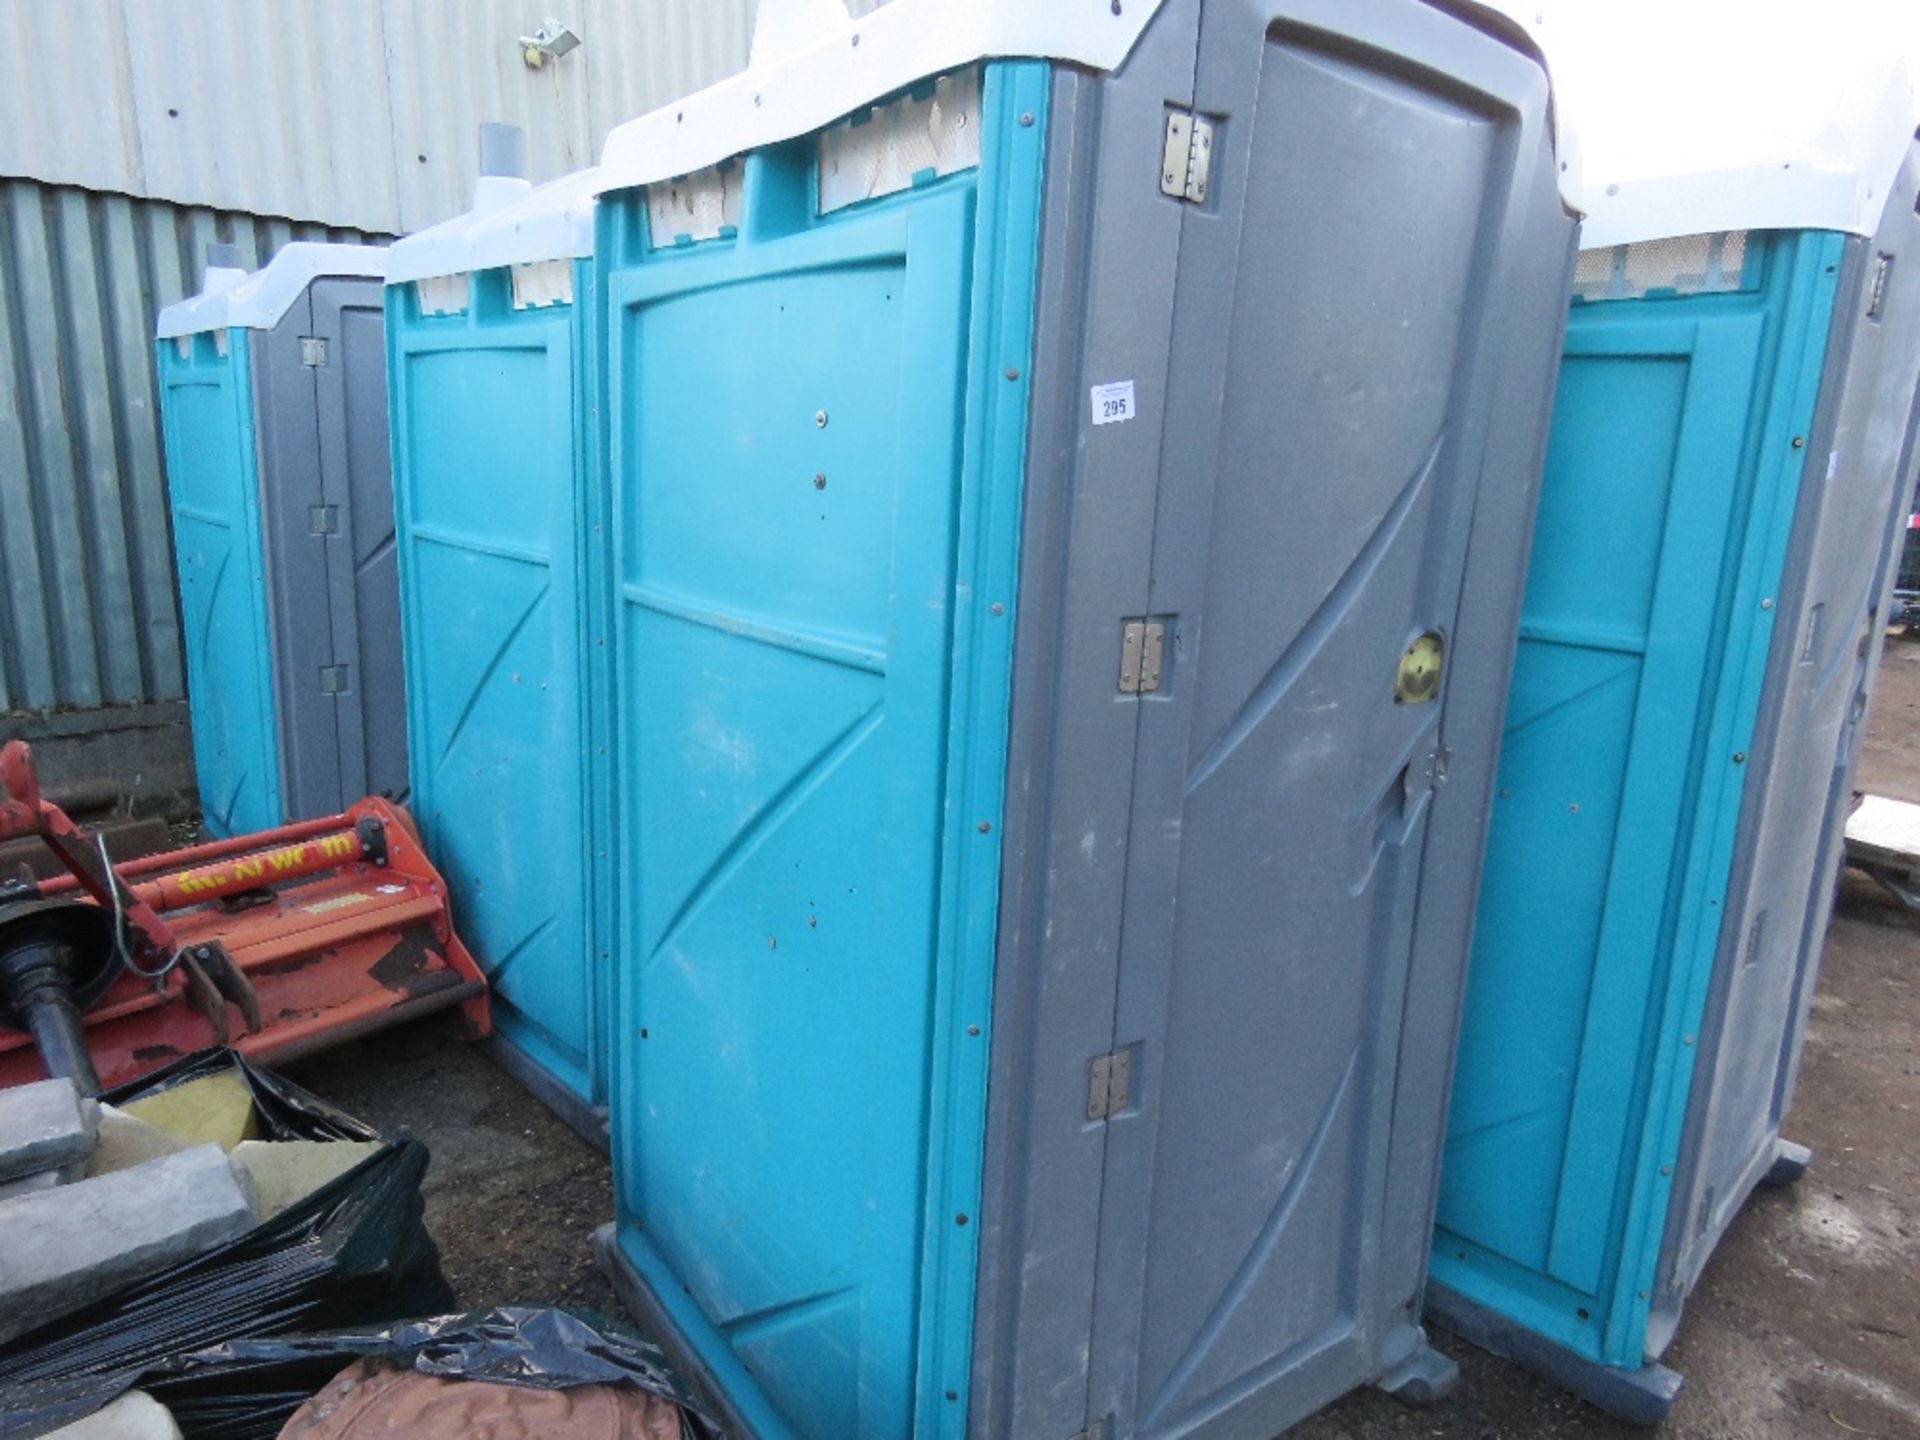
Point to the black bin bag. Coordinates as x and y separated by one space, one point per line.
355 1252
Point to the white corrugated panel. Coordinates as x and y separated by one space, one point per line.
352 112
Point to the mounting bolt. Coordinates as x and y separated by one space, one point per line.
1799 442
1026 119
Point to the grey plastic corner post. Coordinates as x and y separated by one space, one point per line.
503 150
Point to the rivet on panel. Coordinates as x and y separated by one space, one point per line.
1766 604
819 482
997 608
1799 442
1574 808
1026 119
772 943
1666 1169
959 1219
1739 757
813 922
1686 1039
973 1029
1012 374
985 826
820 418
953 1394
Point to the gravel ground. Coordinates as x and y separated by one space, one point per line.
1807 1323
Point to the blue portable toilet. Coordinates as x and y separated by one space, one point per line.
1733 441
273 410
1041 795
488 319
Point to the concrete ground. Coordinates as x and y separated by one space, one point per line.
1807 1323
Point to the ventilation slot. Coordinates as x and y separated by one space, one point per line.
702 206
543 283
1682 265
929 132
442 295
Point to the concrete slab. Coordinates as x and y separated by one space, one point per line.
43 1126
136 1415
33 1184
72 1245
285 1172
215 1107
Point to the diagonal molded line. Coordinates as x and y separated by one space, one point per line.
763 820
213 597
493 664
1304 646
498 972
1257 1254
779 1316
385 547
1627 666
233 799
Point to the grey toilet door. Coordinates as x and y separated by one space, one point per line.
363 578
1323 455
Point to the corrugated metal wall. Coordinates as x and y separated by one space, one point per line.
87 614
131 133
355 112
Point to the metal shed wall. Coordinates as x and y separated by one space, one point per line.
354 112
87 614
137 134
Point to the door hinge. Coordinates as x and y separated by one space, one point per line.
1877 289
1437 762
1187 158
313 350
333 679
323 519
1141 645
1109 1080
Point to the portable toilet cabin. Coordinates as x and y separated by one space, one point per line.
1732 445
499 520
1067 535
274 412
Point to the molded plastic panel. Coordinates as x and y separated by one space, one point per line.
498 515
1670 489
815 458
207 417
1294 879
1825 657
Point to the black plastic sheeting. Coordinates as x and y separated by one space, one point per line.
355 1252
246 1389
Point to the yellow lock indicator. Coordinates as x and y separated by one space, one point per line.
1419 677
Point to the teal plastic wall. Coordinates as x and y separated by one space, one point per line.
213 490
499 523
1672 475
815 445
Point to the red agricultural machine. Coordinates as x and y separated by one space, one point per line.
279 943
